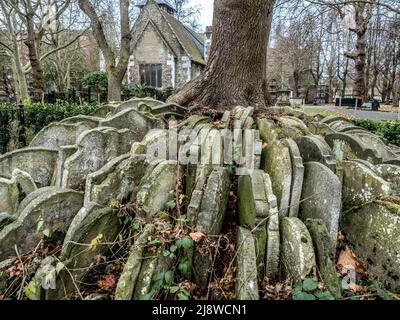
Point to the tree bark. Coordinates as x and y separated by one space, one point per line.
362 19
34 59
236 70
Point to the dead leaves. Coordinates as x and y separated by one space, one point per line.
197 236
107 283
347 259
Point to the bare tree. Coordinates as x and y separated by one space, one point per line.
116 60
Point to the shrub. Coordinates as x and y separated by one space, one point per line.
390 130
142 91
37 116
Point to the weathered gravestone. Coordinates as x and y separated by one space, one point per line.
321 198
246 286
297 252
374 231
361 184
48 214
96 147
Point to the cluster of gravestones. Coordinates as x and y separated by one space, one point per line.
300 180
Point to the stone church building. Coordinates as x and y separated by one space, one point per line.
165 53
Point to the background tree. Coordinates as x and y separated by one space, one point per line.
116 57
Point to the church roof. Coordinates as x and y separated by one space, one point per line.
192 42
189 39
142 3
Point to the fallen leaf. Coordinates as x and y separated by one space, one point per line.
107 283
197 236
348 259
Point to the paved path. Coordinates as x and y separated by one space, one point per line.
363 114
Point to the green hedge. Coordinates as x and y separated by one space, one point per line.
37 116
390 130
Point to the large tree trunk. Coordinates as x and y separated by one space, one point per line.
236 71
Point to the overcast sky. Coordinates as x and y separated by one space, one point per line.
206 11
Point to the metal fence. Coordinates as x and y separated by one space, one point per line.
8 116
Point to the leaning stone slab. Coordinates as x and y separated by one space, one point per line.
196 196
348 147
105 110
322 198
134 103
51 212
88 121
297 177
340 125
130 274
276 161
57 135
167 110
25 183
297 252
330 119
210 218
139 123
157 189
79 255
390 173
374 231
96 147
374 142
9 195
290 121
324 256
246 286
320 128
119 180
39 163
272 248
267 129
361 184
312 148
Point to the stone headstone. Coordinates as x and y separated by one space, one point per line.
96 147
57 135
374 231
157 189
325 257
361 184
79 254
39 163
297 177
50 212
127 281
312 148
276 161
246 285
347 147
297 252
137 122
321 198
119 180
210 218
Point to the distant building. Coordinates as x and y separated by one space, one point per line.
165 52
